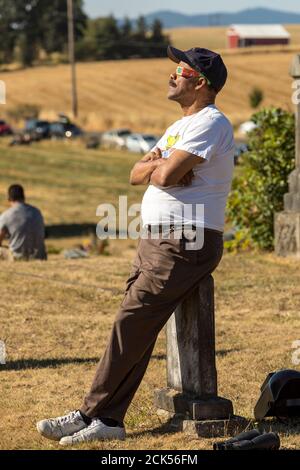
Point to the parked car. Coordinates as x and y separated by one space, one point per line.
141 143
37 128
92 141
246 127
21 139
60 130
115 138
5 128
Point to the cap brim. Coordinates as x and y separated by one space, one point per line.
179 56
176 55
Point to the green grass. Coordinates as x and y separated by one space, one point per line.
66 181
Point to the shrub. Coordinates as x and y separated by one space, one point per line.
258 193
256 97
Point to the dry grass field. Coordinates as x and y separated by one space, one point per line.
132 93
214 37
56 316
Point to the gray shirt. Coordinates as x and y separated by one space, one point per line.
25 227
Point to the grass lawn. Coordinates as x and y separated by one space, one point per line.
56 316
66 181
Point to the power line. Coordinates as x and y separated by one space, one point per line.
72 56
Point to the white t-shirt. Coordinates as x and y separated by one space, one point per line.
209 135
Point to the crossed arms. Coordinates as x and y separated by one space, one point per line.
162 172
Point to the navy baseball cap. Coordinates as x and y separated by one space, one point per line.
203 60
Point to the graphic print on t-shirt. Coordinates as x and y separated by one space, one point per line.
171 141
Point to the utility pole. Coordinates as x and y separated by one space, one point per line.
72 56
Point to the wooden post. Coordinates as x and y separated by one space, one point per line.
72 56
191 391
287 222
295 74
191 364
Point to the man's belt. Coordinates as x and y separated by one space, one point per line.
169 228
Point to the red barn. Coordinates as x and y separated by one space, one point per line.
246 35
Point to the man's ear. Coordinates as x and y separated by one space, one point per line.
200 83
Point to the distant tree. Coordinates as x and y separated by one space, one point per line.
55 24
158 39
141 29
35 24
108 39
256 97
29 26
157 31
126 28
102 40
7 31
127 45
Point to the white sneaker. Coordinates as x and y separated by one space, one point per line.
56 428
96 431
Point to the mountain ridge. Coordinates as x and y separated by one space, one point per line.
173 19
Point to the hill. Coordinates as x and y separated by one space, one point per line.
65 180
214 37
172 19
132 93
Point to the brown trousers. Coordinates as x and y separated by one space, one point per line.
164 272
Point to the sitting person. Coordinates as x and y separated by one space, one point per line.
23 225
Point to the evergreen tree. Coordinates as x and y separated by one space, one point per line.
127 44
141 29
55 21
158 40
108 38
28 23
7 31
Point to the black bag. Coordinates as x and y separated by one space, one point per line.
280 395
250 440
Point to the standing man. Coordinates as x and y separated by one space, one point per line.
23 225
191 166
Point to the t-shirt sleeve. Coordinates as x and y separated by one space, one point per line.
200 139
158 144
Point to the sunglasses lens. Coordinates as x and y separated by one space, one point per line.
182 72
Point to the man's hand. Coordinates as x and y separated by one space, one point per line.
157 153
152 156
187 178
142 170
177 170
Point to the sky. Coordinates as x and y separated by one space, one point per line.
134 8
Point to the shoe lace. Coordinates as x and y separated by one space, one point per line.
73 416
